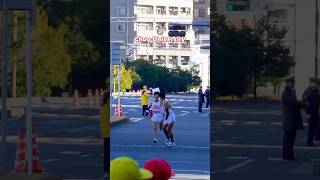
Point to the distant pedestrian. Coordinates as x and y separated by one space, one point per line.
157 115
126 168
207 94
311 98
292 122
144 101
169 120
201 99
105 130
160 169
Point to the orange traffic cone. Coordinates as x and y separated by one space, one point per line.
21 164
76 98
90 98
118 111
97 98
20 154
36 166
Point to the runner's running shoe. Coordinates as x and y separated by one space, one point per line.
155 140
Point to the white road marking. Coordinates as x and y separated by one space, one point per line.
314 159
70 152
160 146
190 177
227 121
85 155
186 162
237 158
275 159
252 122
232 168
136 119
184 113
50 160
191 170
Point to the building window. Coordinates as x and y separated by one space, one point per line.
121 11
185 11
185 44
173 60
202 13
199 1
160 60
121 27
160 28
145 9
238 5
173 11
161 45
161 10
173 45
209 11
144 26
185 60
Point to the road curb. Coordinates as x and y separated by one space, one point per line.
118 120
24 176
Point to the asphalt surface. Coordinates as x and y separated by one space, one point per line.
190 158
247 144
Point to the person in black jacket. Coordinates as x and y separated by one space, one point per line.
311 98
292 121
201 99
207 94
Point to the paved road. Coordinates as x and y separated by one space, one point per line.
247 144
68 139
190 158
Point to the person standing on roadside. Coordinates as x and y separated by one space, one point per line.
144 100
311 98
105 130
201 99
291 110
207 94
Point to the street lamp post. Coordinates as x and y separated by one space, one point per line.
316 40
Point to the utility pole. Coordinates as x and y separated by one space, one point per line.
4 88
317 40
15 57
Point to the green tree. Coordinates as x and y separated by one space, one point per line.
273 62
83 54
51 61
233 59
125 79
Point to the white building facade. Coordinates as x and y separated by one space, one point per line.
152 19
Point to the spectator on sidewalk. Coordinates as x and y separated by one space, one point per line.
160 169
105 130
125 168
292 122
201 99
207 94
144 100
311 98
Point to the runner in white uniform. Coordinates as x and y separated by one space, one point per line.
169 120
157 115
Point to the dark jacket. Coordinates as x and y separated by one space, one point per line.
311 98
207 93
291 110
200 96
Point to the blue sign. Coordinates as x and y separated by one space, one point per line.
115 53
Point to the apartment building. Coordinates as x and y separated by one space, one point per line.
201 27
152 19
121 22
